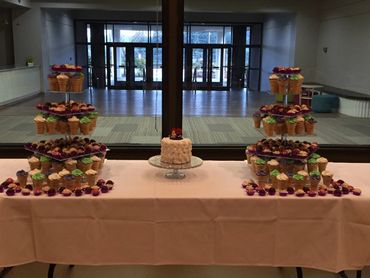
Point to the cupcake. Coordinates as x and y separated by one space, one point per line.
305 176
257 117
273 164
51 124
69 181
269 125
283 85
273 174
312 165
78 176
260 165
45 164
93 116
295 83
70 164
22 177
34 162
300 193
282 181
85 164
63 173
91 177
309 125
262 177
34 171
322 162
26 192
54 180
57 166
298 181
315 178
327 176
63 81
274 86
85 125
290 125
38 180
40 123
299 128
96 163
253 162
73 124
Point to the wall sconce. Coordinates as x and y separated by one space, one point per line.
325 49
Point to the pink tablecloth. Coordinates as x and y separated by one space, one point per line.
204 219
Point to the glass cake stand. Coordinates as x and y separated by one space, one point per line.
175 173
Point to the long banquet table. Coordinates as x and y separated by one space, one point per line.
204 219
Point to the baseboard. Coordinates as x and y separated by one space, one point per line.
18 99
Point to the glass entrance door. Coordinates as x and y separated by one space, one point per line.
210 67
126 66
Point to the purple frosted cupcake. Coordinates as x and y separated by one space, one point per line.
283 193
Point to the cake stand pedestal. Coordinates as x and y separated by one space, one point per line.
175 172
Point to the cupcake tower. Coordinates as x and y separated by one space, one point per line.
65 165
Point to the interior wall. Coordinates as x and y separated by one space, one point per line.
345 32
278 44
6 38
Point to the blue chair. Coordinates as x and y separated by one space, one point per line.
324 103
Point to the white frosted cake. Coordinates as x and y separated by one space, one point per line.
176 151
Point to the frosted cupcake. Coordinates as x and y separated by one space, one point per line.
22 177
96 162
85 164
322 162
38 180
74 125
299 128
34 162
315 178
298 181
273 164
282 181
260 165
262 177
91 177
273 177
45 164
70 164
40 123
305 176
51 124
312 165
54 180
326 177
269 126
78 176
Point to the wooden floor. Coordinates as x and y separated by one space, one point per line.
210 118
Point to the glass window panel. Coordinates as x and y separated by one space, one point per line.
121 63
88 29
108 33
216 65
228 35
246 57
248 35
225 68
157 64
156 34
186 32
197 65
140 63
207 34
131 33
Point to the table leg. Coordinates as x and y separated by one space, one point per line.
342 274
358 273
51 270
71 266
5 271
299 272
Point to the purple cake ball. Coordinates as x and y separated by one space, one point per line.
322 193
78 192
290 190
18 189
312 193
283 193
29 187
104 189
331 190
87 190
109 182
337 193
26 192
1 189
262 192
100 182
306 189
345 190
37 192
95 192
10 192
272 191
255 185
51 192
300 193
